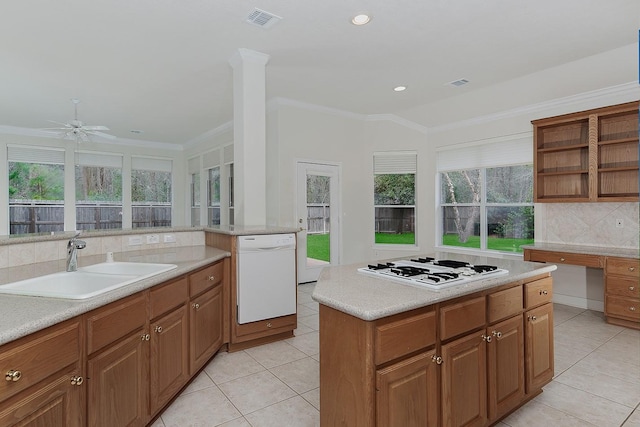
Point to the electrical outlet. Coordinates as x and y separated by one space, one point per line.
619 223
169 238
135 240
153 238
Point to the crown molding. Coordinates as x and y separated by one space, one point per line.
225 127
398 120
14 130
630 89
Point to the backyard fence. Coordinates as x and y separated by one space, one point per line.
318 219
395 219
44 216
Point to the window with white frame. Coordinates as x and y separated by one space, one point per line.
36 189
150 192
193 166
211 163
98 178
394 178
486 196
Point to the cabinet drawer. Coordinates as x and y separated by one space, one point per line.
37 356
538 292
112 322
623 266
504 304
586 260
623 286
399 336
461 317
205 279
164 298
264 328
628 308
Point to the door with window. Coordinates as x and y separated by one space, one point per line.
318 218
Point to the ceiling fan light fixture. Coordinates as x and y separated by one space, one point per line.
400 88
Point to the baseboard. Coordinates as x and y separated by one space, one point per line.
587 304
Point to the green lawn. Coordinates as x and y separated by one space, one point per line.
493 243
396 239
318 246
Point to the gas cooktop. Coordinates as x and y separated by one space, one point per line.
432 273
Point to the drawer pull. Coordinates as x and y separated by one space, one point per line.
543 292
212 278
436 359
532 318
632 308
196 305
486 338
631 288
268 324
632 269
13 375
497 334
76 380
561 259
158 329
145 337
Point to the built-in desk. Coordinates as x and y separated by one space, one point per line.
621 275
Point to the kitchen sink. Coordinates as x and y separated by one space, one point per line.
87 282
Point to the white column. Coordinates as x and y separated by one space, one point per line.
249 136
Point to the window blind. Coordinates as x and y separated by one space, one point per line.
398 162
99 159
150 164
26 154
228 154
211 159
513 151
193 165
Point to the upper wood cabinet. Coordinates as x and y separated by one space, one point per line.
590 156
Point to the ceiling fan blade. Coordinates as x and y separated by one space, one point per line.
101 134
92 128
66 125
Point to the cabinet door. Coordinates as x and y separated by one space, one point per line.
205 327
505 366
56 403
539 347
464 381
407 393
118 383
169 368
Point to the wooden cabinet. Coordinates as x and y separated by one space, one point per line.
118 364
407 393
169 342
43 379
587 156
622 291
469 361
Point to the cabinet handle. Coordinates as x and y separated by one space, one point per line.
486 338
158 329
543 292
632 269
497 334
561 259
212 278
196 305
268 324
436 359
630 308
76 380
532 318
145 337
13 375
631 288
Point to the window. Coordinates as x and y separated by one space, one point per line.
490 206
36 190
150 192
98 191
213 196
394 197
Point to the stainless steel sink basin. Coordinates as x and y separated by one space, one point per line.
87 282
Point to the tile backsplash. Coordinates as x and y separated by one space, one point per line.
591 224
31 252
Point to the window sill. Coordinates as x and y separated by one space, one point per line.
393 247
480 252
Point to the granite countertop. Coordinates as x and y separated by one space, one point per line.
243 230
584 249
370 298
22 315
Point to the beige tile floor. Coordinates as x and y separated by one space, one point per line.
597 380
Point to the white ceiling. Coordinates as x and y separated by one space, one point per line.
161 66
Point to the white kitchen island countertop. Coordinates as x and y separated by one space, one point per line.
370 298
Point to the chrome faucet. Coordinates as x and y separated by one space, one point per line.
72 252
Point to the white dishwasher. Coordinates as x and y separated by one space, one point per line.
266 276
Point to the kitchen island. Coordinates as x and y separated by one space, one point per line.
393 354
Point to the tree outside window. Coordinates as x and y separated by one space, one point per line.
98 197
150 198
394 203
488 208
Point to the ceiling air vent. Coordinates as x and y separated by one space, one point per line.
459 82
262 19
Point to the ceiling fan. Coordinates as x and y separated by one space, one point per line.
75 129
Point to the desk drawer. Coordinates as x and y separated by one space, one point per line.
623 267
400 336
553 257
622 286
538 292
628 308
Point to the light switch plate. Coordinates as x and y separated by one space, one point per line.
169 238
153 238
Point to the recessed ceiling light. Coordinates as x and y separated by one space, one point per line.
399 88
457 83
361 19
